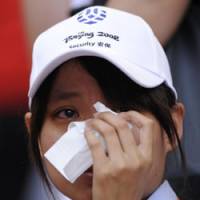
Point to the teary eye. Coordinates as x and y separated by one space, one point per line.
67 114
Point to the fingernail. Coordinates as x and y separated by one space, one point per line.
88 128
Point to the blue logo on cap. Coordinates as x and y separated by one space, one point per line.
92 16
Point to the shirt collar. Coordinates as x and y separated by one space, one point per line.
164 192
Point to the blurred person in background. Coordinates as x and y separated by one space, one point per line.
39 15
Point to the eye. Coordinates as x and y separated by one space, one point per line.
67 114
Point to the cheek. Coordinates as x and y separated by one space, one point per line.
159 146
49 135
159 155
155 175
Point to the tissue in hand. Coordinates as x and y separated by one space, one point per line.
70 155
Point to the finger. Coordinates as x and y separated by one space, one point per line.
123 130
109 134
97 151
134 124
145 126
133 117
133 128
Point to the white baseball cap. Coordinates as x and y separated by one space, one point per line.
121 38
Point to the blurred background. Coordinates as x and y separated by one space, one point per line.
14 69
176 24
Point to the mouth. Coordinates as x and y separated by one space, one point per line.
89 172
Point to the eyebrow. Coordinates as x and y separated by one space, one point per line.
62 95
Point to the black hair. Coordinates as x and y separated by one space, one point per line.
121 92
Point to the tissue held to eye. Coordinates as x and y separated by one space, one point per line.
70 155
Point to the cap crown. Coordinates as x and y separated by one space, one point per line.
124 39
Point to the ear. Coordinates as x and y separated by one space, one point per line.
27 119
178 112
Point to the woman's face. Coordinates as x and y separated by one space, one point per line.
71 99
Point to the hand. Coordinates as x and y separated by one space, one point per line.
121 172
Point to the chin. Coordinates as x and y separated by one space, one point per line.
85 179
81 189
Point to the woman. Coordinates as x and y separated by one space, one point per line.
110 56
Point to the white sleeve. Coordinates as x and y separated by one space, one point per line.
75 4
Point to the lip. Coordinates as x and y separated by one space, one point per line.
87 177
89 172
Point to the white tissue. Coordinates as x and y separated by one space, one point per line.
70 155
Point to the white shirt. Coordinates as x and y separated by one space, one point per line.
163 192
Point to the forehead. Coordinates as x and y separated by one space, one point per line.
72 74
74 80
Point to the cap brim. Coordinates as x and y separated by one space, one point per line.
137 73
